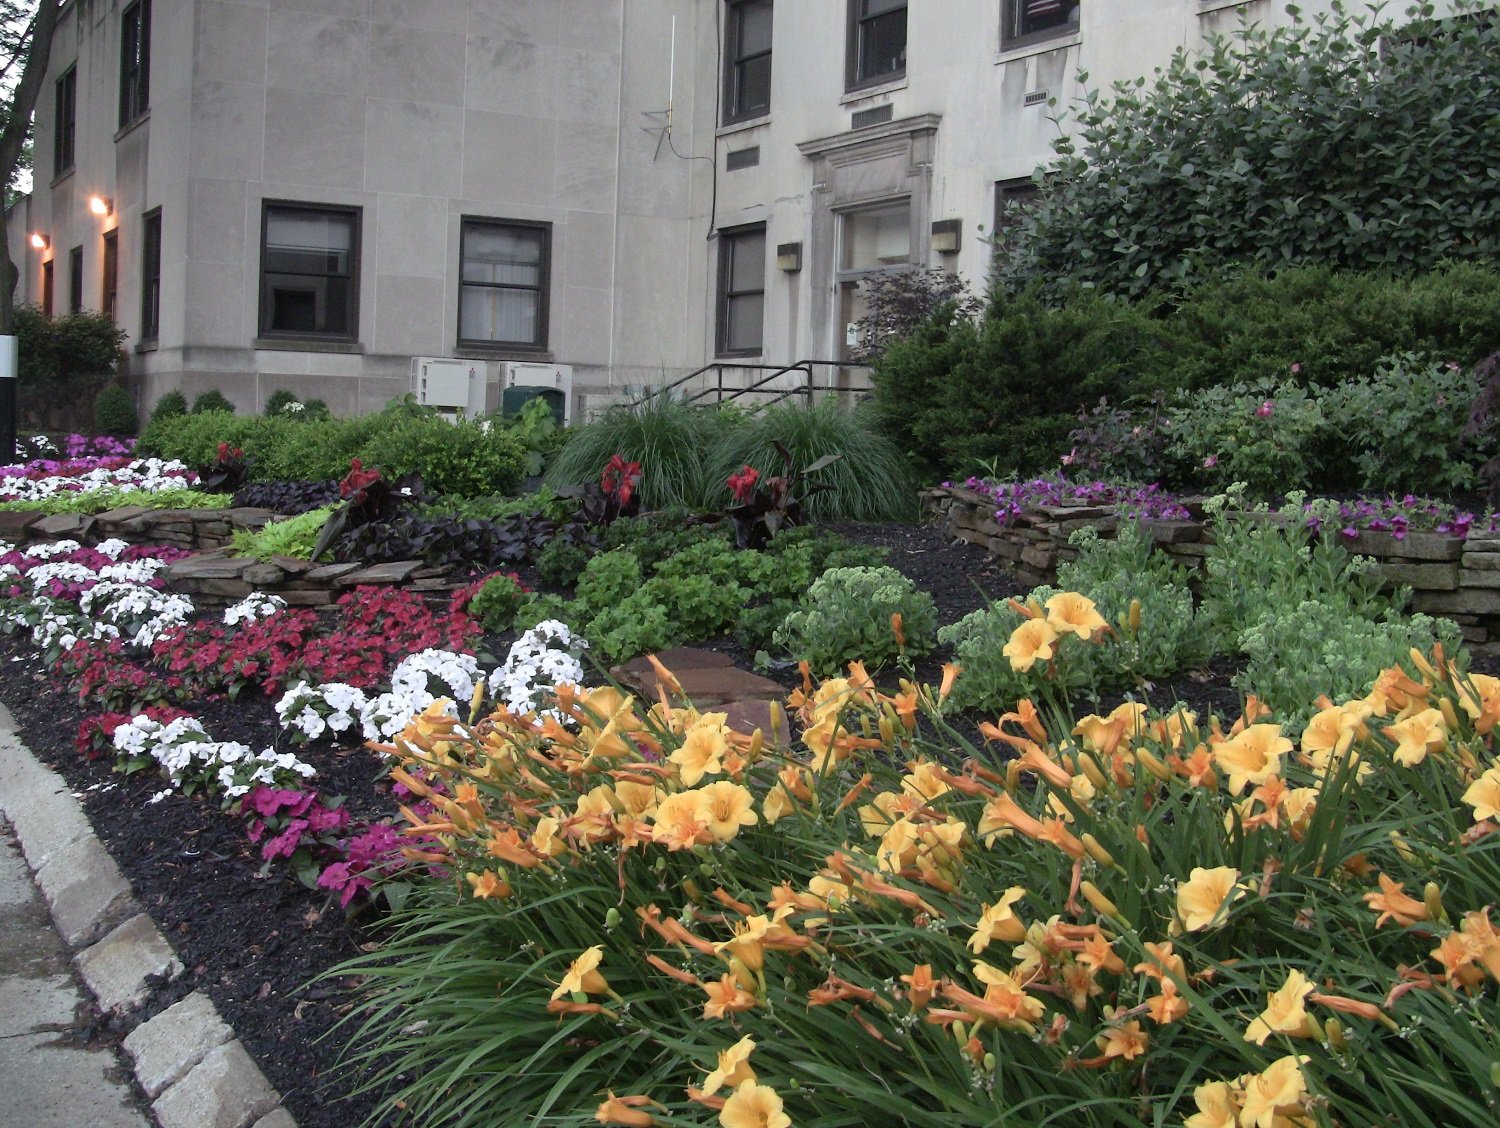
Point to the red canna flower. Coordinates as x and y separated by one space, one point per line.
742 485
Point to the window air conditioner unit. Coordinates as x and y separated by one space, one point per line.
453 387
522 381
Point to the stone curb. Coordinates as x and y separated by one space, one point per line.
186 1059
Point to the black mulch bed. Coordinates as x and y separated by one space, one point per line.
255 943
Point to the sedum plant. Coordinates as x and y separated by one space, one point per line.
871 613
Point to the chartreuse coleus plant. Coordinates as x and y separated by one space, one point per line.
640 915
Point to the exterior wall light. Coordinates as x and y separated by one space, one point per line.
789 257
947 236
40 241
101 205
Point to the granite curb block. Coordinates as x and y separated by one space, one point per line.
185 1058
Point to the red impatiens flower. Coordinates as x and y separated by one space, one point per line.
619 479
742 485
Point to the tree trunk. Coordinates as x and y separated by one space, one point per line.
33 74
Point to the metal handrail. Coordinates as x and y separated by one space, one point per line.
721 394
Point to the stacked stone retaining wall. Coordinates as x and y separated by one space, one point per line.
1452 576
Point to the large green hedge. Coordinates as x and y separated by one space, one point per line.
464 459
1361 141
1005 391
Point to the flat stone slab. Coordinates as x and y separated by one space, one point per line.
708 679
74 526
168 1046
767 716
206 566
391 573
121 515
292 565
86 892
15 523
328 573
117 967
224 1090
280 1118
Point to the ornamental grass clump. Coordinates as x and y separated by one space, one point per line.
1129 918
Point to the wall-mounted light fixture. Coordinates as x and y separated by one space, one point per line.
101 205
789 257
40 241
947 236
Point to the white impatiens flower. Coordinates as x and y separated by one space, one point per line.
256 605
456 673
315 710
113 548
55 548
542 659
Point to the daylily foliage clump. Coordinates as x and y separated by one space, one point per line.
1136 917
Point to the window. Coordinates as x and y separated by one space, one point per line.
65 123
308 271
75 280
1033 21
151 275
47 288
742 290
502 285
877 41
747 60
1011 197
135 61
872 242
109 279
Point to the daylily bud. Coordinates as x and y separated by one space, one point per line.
1333 1031
1432 897
990 1063
1450 716
1090 767
1402 848
1135 616
1102 904
612 918
1098 852
1152 764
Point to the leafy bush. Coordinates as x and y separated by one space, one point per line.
497 602
869 481
562 561
287 497
1004 393
900 302
1266 435
212 400
1351 139
293 537
114 411
171 404
1404 426
63 364
453 458
666 436
609 579
847 613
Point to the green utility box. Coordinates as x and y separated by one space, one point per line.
512 400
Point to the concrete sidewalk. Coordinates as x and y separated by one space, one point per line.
80 916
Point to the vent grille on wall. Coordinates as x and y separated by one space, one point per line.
742 158
1035 97
878 116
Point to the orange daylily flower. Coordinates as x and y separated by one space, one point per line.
920 986
1392 904
625 1110
726 996
583 975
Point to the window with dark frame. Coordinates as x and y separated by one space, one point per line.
65 122
135 61
742 291
75 280
1011 197
504 274
1035 21
309 264
151 275
747 60
877 42
47 288
109 276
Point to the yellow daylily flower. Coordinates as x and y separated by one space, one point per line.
754 1106
733 1069
1285 1012
1069 612
583 975
1417 735
703 750
1252 756
1205 893
724 807
1274 1096
1484 795
999 922
1030 643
